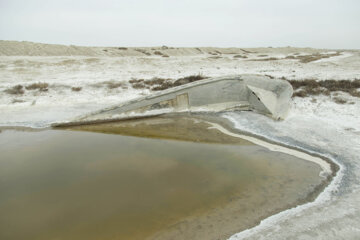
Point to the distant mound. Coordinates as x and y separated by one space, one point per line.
15 48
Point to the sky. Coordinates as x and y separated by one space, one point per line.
184 23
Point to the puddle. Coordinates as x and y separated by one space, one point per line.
57 184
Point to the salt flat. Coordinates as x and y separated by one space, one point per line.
316 123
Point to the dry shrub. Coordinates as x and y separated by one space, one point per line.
122 48
157 84
158 53
189 79
262 55
136 81
339 100
155 81
112 84
76 89
240 56
265 59
143 51
16 90
138 86
163 86
43 87
312 87
165 55
313 57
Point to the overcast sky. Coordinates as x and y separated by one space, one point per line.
221 23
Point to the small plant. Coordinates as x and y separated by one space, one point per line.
122 48
16 90
43 87
76 89
240 56
138 86
143 51
134 80
158 53
339 100
189 79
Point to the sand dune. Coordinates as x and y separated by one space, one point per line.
15 48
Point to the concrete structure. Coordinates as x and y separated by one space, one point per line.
243 92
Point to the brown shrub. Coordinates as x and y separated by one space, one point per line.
189 79
138 86
265 59
143 51
76 89
122 48
155 81
136 81
239 56
315 57
16 90
339 100
158 53
301 93
112 84
43 87
313 87
163 86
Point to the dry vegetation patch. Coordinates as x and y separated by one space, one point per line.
76 89
158 84
143 51
265 59
15 90
312 57
310 87
240 56
43 87
113 84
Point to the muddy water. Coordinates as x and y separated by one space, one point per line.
84 185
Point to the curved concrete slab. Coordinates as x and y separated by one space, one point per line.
257 93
